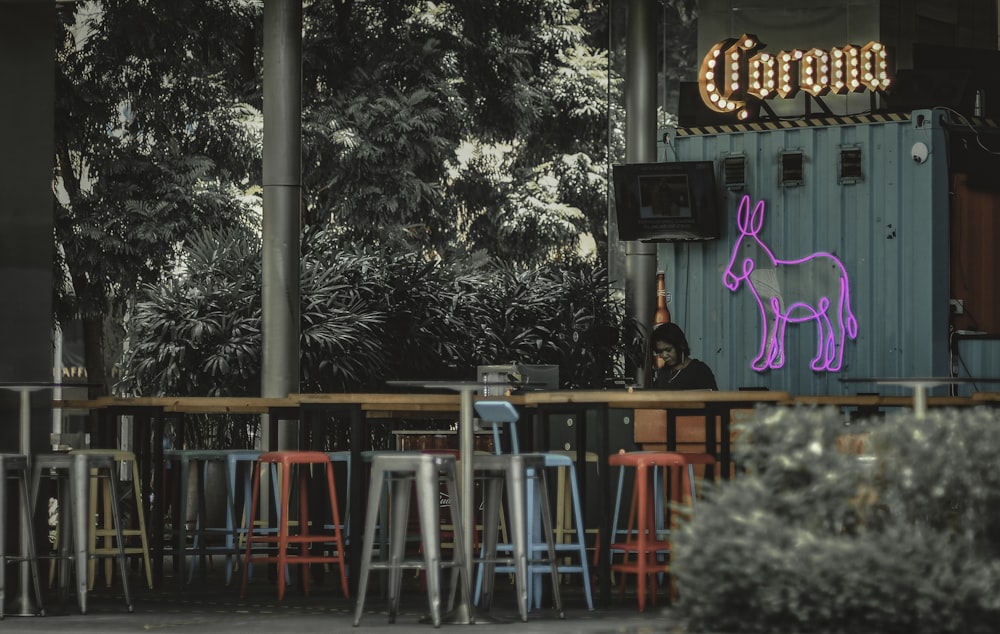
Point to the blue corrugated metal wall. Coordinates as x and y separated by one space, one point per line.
890 229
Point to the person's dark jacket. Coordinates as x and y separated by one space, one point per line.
696 375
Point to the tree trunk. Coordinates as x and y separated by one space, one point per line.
97 376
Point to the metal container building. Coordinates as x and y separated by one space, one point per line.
870 190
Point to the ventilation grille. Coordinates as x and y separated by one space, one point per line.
791 169
850 165
734 172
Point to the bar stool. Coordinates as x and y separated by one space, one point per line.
568 507
513 471
392 478
74 518
692 459
643 542
290 464
106 533
200 549
15 467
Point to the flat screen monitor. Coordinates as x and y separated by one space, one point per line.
666 202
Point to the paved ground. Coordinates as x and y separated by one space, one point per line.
209 606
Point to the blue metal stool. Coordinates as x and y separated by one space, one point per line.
200 533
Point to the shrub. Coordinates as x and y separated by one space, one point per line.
367 316
816 538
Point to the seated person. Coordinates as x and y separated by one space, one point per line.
679 371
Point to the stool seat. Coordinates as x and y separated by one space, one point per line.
294 548
15 466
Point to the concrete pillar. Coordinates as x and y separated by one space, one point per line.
640 147
282 195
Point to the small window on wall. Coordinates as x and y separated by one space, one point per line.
850 165
791 169
734 172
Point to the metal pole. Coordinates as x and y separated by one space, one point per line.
282 180
640 147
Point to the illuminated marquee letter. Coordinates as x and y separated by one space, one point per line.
788 73
721 76
763 71
845 77
873 67
814 72
816 290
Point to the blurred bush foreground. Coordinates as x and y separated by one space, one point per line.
885 525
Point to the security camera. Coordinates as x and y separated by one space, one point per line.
919 153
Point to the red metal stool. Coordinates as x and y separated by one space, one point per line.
643 543
290 462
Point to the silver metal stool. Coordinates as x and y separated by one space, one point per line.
568 509
394 474
74 513
15 466
513 471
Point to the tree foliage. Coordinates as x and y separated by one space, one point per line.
368 315
459 125
155 137
461 132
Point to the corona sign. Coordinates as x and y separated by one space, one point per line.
736 70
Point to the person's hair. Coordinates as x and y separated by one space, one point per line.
672 334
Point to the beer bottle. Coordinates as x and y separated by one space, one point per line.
662 315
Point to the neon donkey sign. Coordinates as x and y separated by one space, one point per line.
814 288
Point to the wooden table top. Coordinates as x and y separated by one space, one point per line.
392 403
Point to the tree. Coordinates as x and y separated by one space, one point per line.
458 126
451 129
157 135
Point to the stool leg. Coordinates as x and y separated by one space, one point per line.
32 554
108 539
143 539
491 511
371 519
65 551
304 568
338 534
428 507
117 518
543 493
80 479
285 509
231 521
399 510
254 496
92 502
516 496
460 571
581 537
